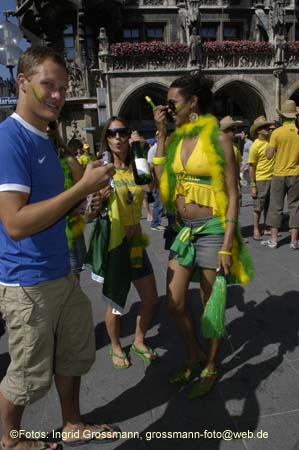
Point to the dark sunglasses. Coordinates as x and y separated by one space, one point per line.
171 105
122 132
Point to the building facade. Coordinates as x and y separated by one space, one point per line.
120 51
7 102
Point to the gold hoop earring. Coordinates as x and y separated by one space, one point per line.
193 117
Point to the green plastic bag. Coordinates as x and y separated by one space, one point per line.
97 253
213 318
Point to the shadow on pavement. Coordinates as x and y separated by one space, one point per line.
269 327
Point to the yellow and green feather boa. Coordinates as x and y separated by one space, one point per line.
75 223
207 128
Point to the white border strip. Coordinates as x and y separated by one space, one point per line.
7 284
28 126
14 187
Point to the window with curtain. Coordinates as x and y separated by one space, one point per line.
208 32
131 34
154 32
231 32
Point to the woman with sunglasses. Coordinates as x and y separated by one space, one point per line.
116 138
198 182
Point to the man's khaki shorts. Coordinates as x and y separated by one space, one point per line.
280 187
263 195
50 331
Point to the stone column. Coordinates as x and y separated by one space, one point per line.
103 92
278 75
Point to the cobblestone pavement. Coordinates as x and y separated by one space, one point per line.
255 405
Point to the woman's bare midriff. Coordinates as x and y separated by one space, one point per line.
192 210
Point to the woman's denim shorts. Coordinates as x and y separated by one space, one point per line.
206 246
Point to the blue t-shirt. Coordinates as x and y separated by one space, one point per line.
29 164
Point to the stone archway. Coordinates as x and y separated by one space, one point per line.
241 100
138 112
295 97
292 92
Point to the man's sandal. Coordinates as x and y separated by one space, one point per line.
142 353
204 385
185 374
122 357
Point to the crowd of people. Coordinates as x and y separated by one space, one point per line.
269 164
46 195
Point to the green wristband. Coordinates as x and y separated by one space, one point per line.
231 220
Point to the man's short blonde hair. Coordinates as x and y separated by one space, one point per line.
35 56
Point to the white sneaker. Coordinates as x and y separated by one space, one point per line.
294 245
157 228
269 243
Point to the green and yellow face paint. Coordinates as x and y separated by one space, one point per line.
37 94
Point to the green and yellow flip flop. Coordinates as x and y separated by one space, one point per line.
122 357
142 353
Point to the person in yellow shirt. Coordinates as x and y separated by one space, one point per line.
284 143
260 172
87 156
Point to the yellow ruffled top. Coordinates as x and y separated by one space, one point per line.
194 180
129 196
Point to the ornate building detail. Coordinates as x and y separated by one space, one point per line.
280 45
77 86
193 11
103 42
263 27
153 2
74 134
278 14
217 36
195 49
183 23
146 63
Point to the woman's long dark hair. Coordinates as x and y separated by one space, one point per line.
104 146
197 85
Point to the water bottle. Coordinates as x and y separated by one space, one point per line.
140 166
107 159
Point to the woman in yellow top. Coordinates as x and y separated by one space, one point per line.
116 137
198 182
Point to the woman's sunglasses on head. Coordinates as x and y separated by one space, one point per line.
122 132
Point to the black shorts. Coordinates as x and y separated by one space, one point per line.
143 271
